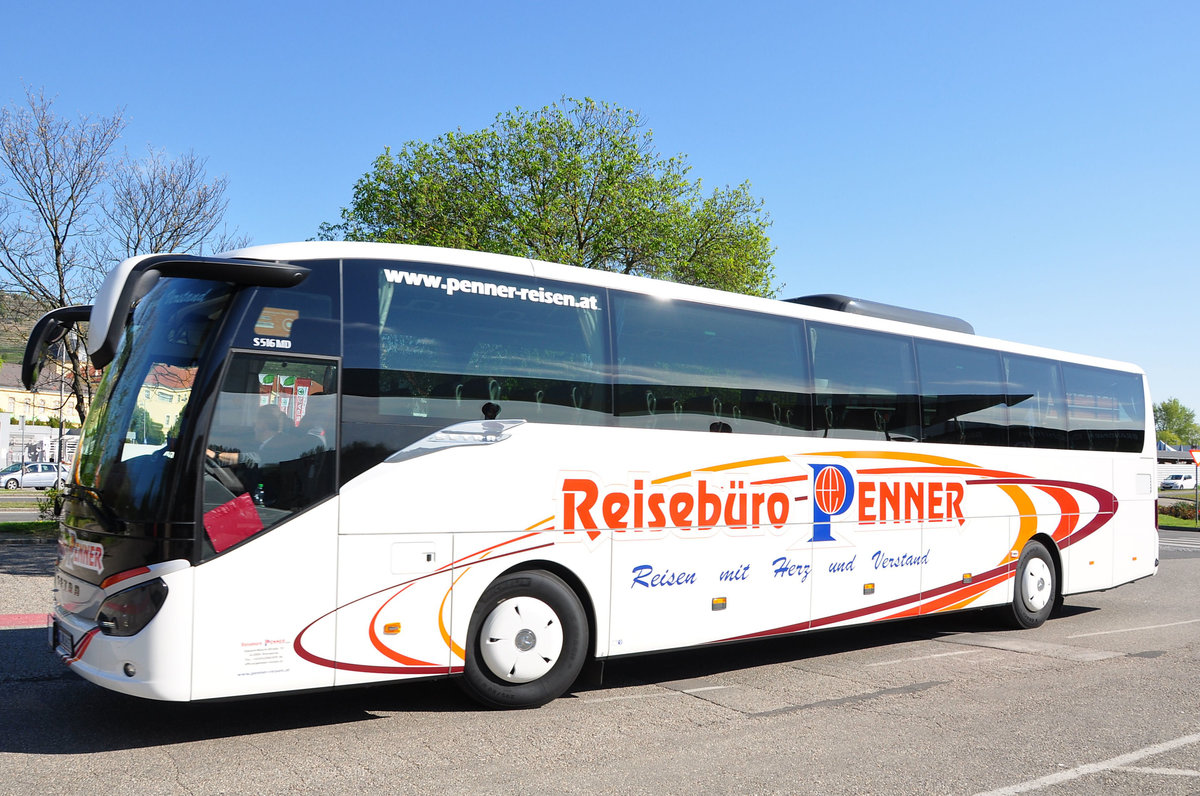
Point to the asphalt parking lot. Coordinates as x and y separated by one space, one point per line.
1101 699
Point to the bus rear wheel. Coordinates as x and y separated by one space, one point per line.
526 643
1035 592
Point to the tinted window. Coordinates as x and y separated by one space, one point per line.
962 395
692 366
1037 413
427 346
1105 409
300 319
272 444
865 384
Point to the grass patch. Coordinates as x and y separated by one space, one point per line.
1167 521
42 529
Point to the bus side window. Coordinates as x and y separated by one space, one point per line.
420 357
962 394
272 447
1036 401
303 319
1105 409
699 367
866 384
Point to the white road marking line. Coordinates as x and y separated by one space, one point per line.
653 694
647 695
1092 768
1135 629
1161 772
923 658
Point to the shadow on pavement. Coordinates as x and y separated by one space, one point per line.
50 710
27 558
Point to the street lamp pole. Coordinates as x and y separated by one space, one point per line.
1196 490
62 350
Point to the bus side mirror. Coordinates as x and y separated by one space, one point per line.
50 329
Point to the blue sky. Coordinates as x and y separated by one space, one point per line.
1032 167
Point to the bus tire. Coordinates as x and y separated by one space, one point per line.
526 643
1035 591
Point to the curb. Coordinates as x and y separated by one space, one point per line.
24 621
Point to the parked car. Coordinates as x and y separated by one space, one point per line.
1178 481
39 475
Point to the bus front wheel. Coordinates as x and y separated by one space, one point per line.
1036 589
526 643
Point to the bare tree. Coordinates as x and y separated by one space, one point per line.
71 209
56 170
161 205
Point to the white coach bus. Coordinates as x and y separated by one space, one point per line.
316 465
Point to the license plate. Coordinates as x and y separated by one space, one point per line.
63 639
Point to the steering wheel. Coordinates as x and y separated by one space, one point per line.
225 478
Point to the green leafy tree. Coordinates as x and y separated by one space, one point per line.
1175 424
577 182
145 429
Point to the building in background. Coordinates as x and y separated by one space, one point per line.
31 441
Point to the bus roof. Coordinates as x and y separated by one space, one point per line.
900 320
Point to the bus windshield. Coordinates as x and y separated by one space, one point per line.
126 452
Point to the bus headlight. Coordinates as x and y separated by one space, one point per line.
127 612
